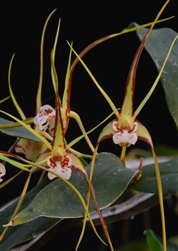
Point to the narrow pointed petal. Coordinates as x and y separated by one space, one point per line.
143 134
127 106
107 132
66 95
38 97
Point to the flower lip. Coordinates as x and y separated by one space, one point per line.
42 119
61 166
126 136
2 171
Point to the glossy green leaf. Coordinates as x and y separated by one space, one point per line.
26 232
17 132
155 243
57 200
19 234
157 46
169 175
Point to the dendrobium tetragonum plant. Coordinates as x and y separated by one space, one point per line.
51 152
125 129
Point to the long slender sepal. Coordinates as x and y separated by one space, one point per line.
4 99
66 95
27 121
38 97
127 106
160 194
11 92
14 163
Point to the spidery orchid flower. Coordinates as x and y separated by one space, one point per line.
125 129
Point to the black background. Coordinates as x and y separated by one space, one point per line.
83 22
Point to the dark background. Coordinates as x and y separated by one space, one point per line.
83 22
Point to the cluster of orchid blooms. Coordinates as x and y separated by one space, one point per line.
51 152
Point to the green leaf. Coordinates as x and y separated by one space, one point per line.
17 132
152 241
155 243
157 46
19 234
169 175
57 200
26 232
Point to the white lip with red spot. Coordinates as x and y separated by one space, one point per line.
47 114
2 171
124 135
62 168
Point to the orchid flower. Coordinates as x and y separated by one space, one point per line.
125 129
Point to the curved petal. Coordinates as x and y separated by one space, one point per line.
107 132
31 149
76 163
143 134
